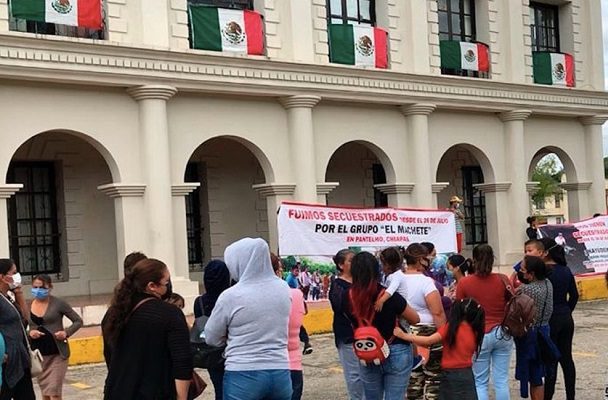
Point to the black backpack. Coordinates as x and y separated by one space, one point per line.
204 355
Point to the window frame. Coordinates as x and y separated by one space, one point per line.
14 246
379 177
194 225
476 222
462 37
537 8
346 19
231 4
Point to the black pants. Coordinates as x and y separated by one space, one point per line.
562 333
23 390
457 384
304 335
297 384
217 379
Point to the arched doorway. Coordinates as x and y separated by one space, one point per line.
551 169
357 167
225 207
464 166
59 223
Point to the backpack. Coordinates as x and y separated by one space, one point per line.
520 311
204 355
368 344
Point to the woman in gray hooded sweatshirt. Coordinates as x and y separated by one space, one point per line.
251 319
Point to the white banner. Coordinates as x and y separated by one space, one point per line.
312 230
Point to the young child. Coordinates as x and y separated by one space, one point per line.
532 247
392 266
461 338
177 300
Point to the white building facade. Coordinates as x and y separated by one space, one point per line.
134 141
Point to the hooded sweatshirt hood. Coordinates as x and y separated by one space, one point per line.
248 260
216 279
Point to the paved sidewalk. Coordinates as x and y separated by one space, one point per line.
323 374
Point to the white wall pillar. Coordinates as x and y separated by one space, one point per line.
419 153
299 26
274 193
512 37
437 188
323 189
179 192
130 216
399 194
6 191
497 218
514 132
578 205
595 162
302 145
156 167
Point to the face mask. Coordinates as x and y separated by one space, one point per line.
169 291
40 293
450 275
16 281
522 278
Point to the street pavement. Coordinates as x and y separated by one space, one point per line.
323 374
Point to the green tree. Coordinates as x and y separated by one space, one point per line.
548 172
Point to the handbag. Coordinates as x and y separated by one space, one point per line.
197 386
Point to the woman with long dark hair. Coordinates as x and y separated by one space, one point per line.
458 267
16 379
146 340
565 297
489 290
216 279
389 380
532 362
342 328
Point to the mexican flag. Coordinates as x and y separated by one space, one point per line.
464 55
553 68
221 29
84 13
364 46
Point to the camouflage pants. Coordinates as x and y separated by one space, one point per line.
424 381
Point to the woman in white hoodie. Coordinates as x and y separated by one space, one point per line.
251 319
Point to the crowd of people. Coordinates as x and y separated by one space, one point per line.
403 327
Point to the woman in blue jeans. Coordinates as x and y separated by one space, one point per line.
489 290
389 379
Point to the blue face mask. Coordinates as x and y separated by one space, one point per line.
40 293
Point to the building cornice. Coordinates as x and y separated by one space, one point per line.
438 187
514 115
418 109
532 187
301 101
275 189
184 189
152 92
123 189
493 187
594 120
325 188
574 186
395 188
64 61
9 189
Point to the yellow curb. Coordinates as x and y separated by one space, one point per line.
592 287
318 321
86 350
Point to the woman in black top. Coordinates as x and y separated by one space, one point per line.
561 324
146 340
390 379
343 330
216 279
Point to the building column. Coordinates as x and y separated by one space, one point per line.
519 204
399 194
498 217
6 191
275 194
129 214
302 145
595 163
323 189
578 205
417 116
437 188
156 167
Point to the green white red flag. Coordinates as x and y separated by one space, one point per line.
464 56
220 29
83 13
364 46
553 69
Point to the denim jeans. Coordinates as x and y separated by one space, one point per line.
495 354
350 366
266 384
389 381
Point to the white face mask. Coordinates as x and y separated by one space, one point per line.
16 281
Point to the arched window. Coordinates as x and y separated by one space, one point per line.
356 12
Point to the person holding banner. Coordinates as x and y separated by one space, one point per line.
565 298
388 380
343 330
